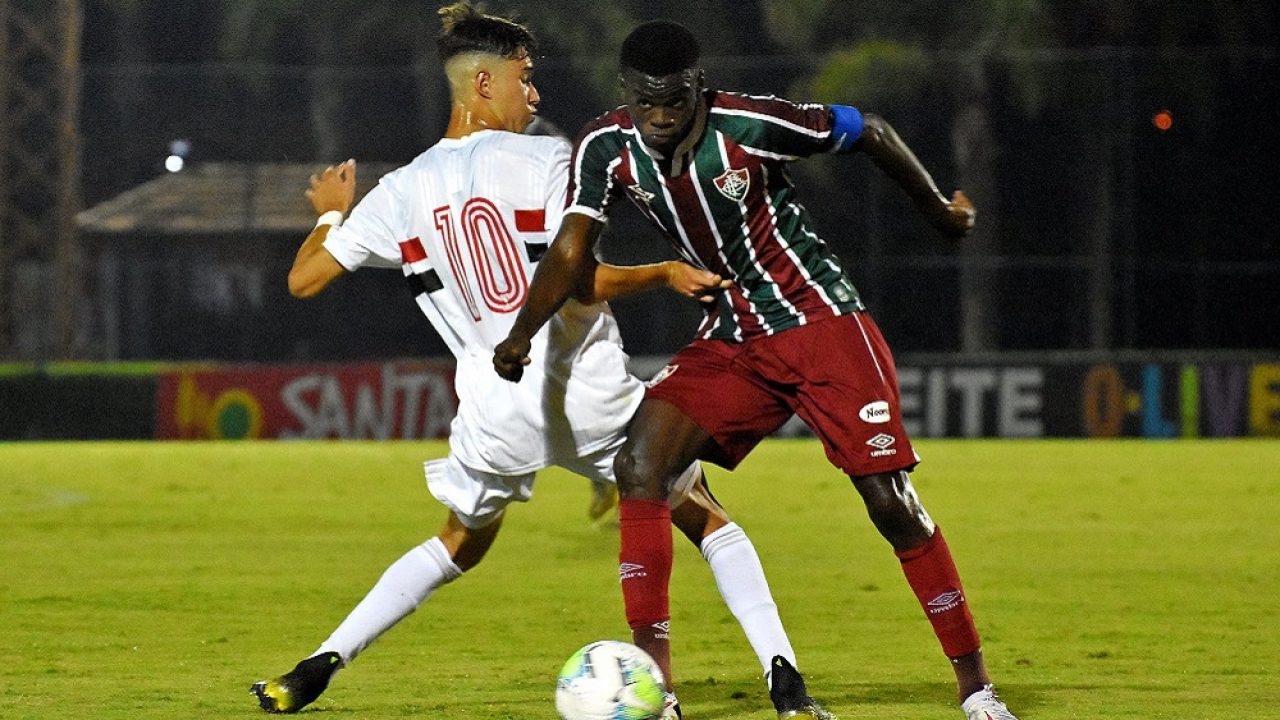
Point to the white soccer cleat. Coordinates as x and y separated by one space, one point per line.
984 705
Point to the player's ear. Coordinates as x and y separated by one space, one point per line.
483 83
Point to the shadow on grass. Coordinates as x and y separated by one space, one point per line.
710 698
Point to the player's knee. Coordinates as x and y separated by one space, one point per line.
894 510
638 476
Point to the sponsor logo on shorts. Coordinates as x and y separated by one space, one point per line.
875 412
946 601
883 445
663 374
626 571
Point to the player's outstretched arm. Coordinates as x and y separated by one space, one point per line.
331 191
611 281
953 218
563 272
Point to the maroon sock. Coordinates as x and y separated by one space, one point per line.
645 569
931 573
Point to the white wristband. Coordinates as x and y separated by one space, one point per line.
332 217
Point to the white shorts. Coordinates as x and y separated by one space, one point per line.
478 497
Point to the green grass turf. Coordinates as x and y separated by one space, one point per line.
1110 580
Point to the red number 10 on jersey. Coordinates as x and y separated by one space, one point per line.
491 255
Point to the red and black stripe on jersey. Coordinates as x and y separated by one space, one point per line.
418 273
732 210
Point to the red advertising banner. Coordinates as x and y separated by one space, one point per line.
375 401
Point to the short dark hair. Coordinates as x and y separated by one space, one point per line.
465 29
660 47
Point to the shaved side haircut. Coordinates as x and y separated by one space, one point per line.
464 29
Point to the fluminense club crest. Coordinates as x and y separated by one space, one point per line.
733 184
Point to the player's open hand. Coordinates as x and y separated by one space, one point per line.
510 357
695 282
334 188
958 216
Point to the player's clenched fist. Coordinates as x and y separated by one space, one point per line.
510 357
958 216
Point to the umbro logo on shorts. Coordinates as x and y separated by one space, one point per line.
627 571
883 445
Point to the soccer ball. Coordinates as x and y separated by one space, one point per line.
610 680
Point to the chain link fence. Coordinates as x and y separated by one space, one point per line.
1125 203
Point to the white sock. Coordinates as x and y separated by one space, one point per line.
742 584
401 589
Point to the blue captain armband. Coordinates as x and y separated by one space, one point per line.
846 127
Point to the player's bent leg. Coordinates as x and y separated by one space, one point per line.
898 514
738 573
661 444
404 586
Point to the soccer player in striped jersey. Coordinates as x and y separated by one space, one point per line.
467 222
790 336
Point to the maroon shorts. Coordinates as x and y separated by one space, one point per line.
836 374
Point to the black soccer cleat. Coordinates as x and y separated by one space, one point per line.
299 687
788 693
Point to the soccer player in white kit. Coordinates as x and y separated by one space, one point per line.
466 221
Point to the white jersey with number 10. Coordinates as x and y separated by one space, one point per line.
467 221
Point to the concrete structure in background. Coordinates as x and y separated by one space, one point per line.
192 265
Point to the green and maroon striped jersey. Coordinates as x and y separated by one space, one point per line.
731 210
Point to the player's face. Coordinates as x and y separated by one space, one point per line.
663 108
515 99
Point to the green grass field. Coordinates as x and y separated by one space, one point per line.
1109 579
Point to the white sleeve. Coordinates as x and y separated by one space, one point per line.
557 188
371 236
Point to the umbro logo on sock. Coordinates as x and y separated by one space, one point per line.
626 571
662 629
945 602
